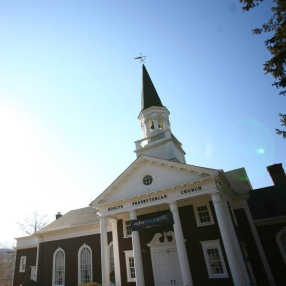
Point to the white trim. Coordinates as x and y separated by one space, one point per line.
128 254
25 247
199 223
213 244
142 158
21 263
79 261
233 214
125 228
278 239
259 247
270 221
54 256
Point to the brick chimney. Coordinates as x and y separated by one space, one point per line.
277 174
58 215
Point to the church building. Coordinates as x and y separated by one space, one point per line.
162 222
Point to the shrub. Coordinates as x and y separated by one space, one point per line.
30 283
91 284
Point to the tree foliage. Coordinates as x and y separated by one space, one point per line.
276 45
7 258
33 223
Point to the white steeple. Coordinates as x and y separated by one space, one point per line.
158 140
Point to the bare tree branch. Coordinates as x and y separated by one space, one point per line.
33 223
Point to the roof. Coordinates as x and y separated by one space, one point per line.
149 95
239 180
75 218
268 202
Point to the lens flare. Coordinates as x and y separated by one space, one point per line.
261 151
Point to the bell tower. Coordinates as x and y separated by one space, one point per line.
158 140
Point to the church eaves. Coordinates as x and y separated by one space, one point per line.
149 95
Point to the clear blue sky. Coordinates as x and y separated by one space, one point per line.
70 94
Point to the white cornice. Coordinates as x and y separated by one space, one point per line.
26 247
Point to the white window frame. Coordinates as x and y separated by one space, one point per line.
125 228
128 254
199 223
78 263
278 240
213 244
23 269
54 257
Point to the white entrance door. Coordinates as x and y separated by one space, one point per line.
167 267
33 273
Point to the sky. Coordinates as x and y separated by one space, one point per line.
70 95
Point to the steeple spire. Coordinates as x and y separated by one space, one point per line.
149 95
158 140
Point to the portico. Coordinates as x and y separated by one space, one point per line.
160 182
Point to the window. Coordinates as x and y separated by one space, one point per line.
214 259
281 241
203 214
147 180
84 264
150 124
22 264
127 228
59 268
160 122
130 266
111 258
111 263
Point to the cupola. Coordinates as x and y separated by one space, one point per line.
158 140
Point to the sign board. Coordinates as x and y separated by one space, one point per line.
162 220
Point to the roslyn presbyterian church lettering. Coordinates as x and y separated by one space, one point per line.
149 200
115 208
199 188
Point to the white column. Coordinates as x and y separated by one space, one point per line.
236 245
227 240
137 254
259 246
116 252
181 247
104 252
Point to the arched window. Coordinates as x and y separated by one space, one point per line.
281 241
84 264
59 268
151 124
160 122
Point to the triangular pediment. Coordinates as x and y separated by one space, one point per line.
165 175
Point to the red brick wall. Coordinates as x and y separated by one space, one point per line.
192 234
70 247
31 257
277 265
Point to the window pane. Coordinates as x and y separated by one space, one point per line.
203 213
59 268
128 227
85 265
111 259
215 261
132 267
